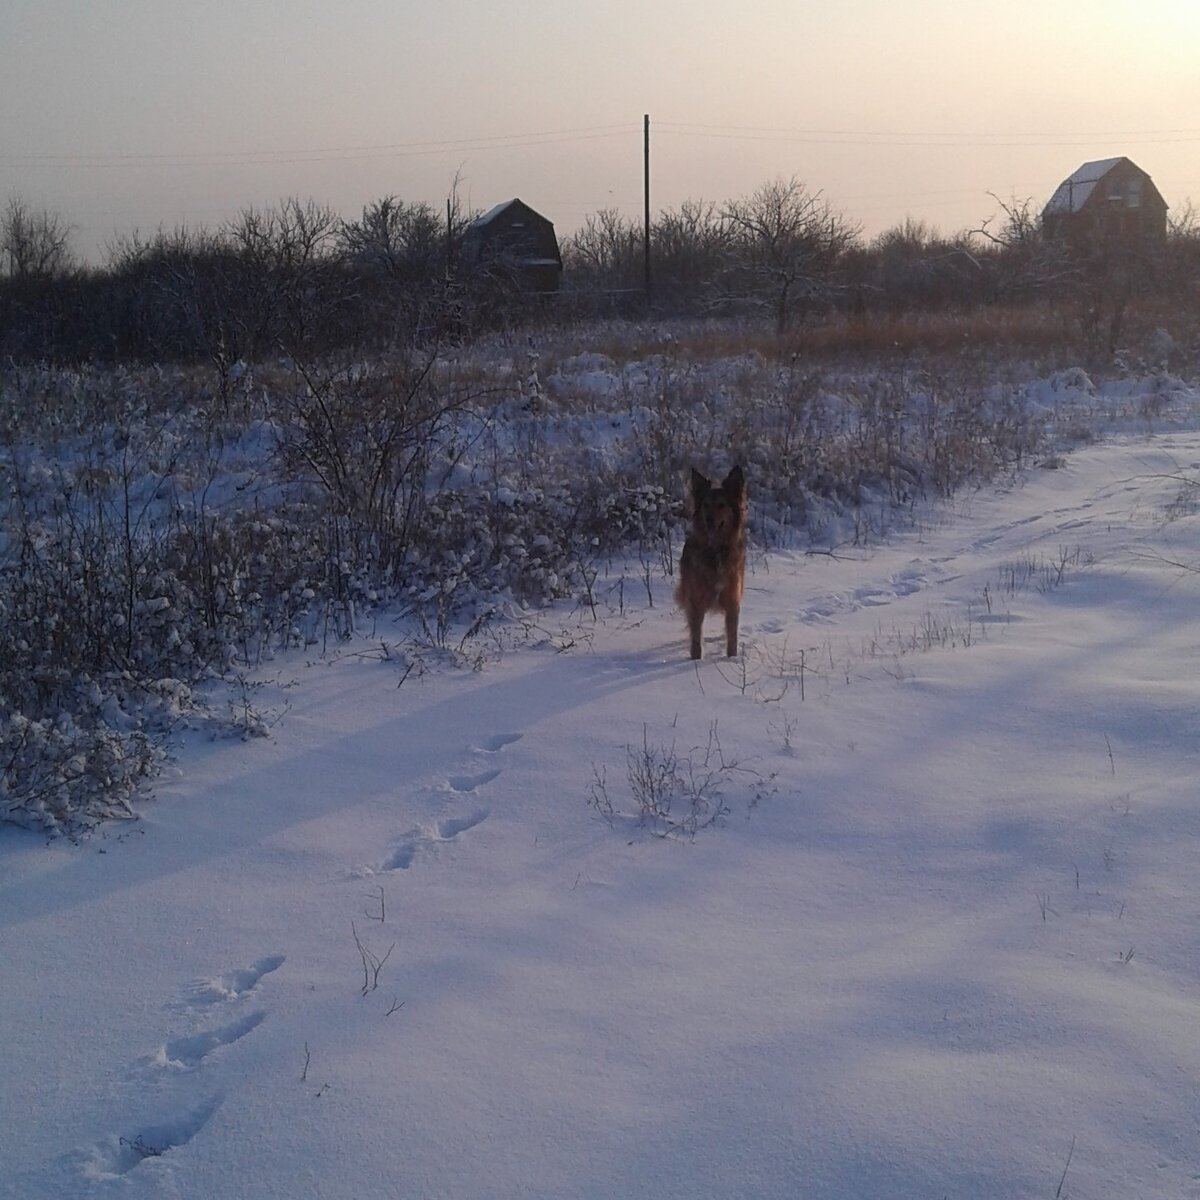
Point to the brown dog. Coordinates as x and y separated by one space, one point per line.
713 562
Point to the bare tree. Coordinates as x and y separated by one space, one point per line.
691 245
294 235
1099 275
285 253
1021 226
395 239
787 241
1023 260
404 259
180 294
912 264
34 245
606 252
1184 223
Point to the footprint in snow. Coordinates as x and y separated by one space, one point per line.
446 830
821 612
989 539
186 1053
869 598
453 826
121 1153
234 984
902 583
497 742
401 857
468 783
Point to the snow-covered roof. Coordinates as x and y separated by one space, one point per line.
1072 193
493 212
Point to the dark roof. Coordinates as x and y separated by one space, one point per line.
492 213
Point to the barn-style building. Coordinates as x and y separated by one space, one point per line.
1111 199
515 240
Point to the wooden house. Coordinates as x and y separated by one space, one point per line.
1109 200
514 241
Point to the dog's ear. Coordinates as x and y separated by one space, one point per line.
700 484
734 484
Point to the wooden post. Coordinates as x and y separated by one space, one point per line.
646 216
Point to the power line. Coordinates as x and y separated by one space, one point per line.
326 154
697 126
550 137
935 141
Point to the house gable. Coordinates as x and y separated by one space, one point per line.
1110 198
514 237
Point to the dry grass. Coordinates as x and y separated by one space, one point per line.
1047 334
1026 330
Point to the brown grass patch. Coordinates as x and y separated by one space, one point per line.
1047 333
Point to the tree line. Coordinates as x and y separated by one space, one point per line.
296 277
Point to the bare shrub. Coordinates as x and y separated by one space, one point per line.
163 527
34 245
605 253
786 242
691 250
674 794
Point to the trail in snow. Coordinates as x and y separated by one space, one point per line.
951 950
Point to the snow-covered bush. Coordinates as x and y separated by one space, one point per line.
164 528
64 774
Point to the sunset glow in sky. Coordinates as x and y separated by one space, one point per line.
123 114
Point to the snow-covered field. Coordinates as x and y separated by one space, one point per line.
944 942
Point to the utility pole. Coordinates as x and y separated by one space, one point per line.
646 217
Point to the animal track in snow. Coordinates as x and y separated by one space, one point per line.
772 625
401 857
453 826
446 830
468 783
902 583
497 742
235 984
405 851
991 538
119 1154
186 1053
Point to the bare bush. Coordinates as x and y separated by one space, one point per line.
677 795
404 242
911 268
786 242
606 253
34 245
691 252
163 528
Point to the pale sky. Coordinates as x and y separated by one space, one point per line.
123 114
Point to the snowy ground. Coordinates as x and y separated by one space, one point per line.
943 945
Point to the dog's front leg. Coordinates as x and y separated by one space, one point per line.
731 631
695 625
